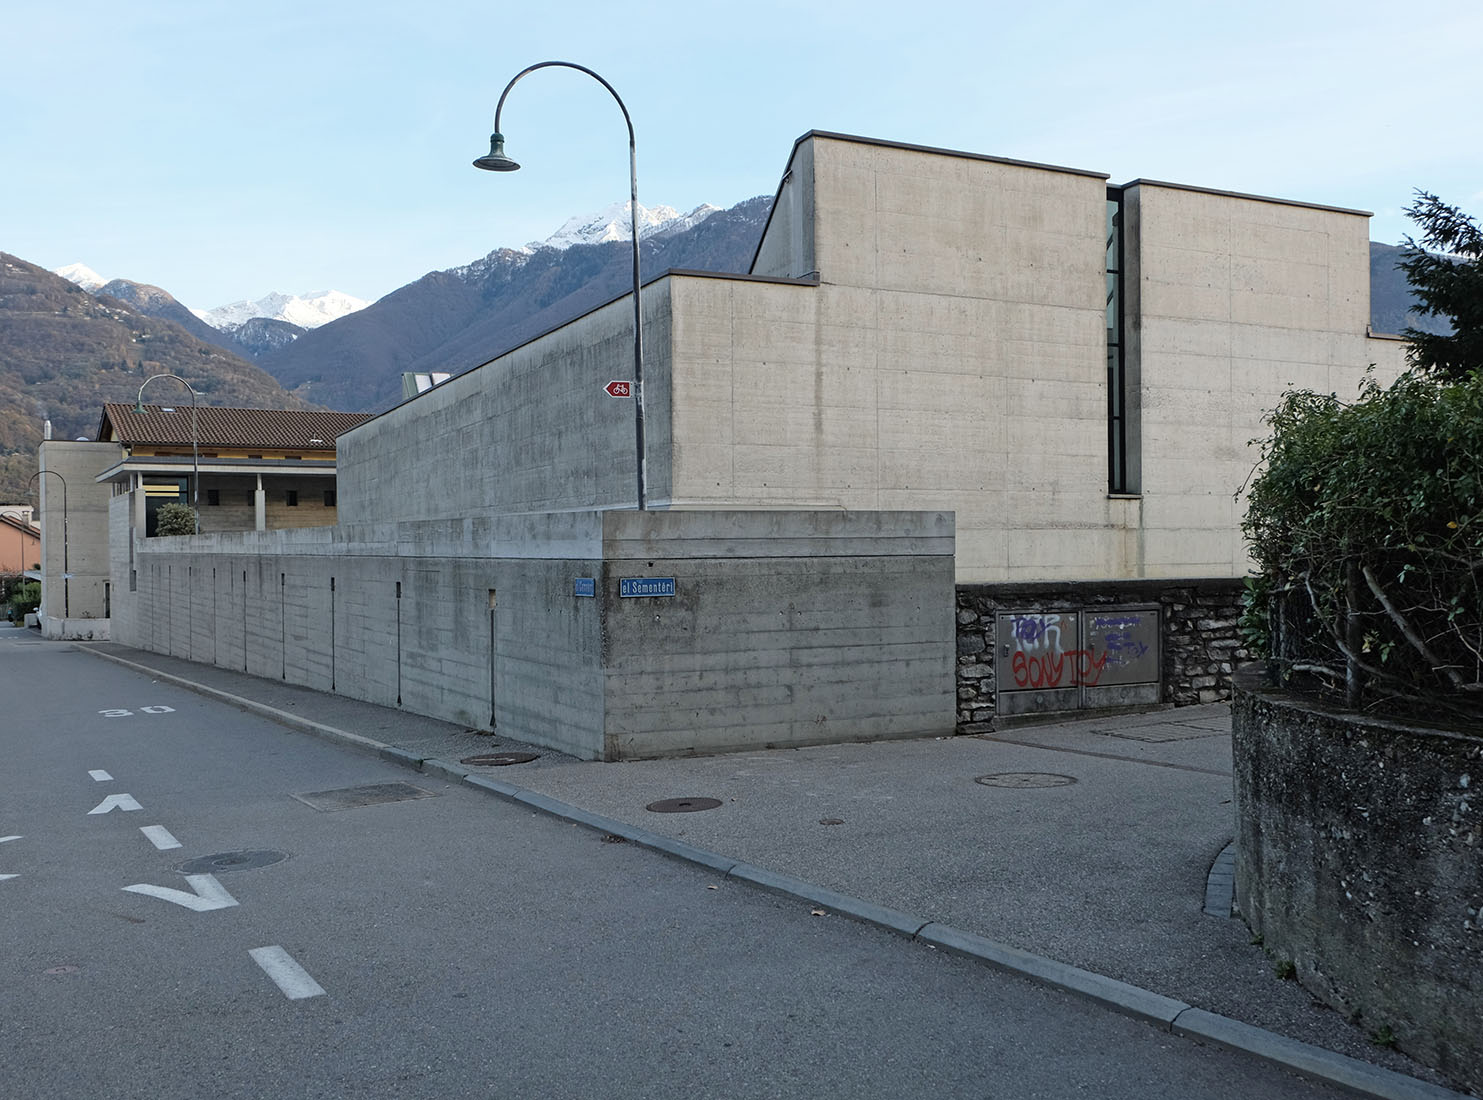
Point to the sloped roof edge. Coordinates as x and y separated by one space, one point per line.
216 426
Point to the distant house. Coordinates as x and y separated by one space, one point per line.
20 541
260 469
248 469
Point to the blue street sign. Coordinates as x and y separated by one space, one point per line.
584 586
646 586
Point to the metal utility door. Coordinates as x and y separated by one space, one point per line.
1072 660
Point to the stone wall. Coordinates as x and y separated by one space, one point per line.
1200 640
1360 859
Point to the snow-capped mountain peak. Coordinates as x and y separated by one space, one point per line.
614 223
307 310
82 275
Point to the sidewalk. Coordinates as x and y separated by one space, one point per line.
1106 870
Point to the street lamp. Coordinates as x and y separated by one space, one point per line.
497 161
66 561
195 439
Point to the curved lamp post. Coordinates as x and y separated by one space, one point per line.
497 161
195 440
66 563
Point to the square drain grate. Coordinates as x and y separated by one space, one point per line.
372 794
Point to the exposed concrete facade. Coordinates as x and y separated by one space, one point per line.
926 329
75 606
785 628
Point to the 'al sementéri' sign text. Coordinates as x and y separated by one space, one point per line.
646 586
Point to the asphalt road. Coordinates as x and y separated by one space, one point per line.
451 945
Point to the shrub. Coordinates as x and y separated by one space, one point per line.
25 599
1367 527
175 519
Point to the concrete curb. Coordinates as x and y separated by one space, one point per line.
1163 1012
1130 1000
1306 1059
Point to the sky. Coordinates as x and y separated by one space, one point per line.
227 150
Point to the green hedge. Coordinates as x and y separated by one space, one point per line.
1366 523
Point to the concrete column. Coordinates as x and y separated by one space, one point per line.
136 506
259 507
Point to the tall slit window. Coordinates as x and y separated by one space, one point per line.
1117 429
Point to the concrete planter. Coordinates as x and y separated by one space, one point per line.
1360 858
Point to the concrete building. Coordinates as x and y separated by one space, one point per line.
1073 370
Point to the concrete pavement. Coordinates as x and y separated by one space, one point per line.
1077 853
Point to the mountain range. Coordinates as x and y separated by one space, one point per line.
451 320
68 351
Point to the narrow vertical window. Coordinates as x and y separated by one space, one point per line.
1117 428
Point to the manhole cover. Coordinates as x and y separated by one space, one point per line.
682 805
372 794
69 969
232 861
499 759
1023 780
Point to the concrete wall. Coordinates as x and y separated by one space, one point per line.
1238 301
530 431
786 628
82 541
1359 858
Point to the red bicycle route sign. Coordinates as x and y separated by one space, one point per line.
617 388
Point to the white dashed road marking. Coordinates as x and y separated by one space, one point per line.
100 776
288 975
160 837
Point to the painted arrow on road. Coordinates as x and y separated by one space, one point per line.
209 894
123 802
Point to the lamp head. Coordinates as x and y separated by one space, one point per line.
496 161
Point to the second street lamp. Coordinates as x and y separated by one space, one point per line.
497 161
195 440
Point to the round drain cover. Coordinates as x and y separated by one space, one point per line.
682 805
231 861
499 759
1025 779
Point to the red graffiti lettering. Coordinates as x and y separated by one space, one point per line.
1088 668
1050 670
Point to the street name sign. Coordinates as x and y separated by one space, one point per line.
646 586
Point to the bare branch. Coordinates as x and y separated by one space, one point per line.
1417 642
